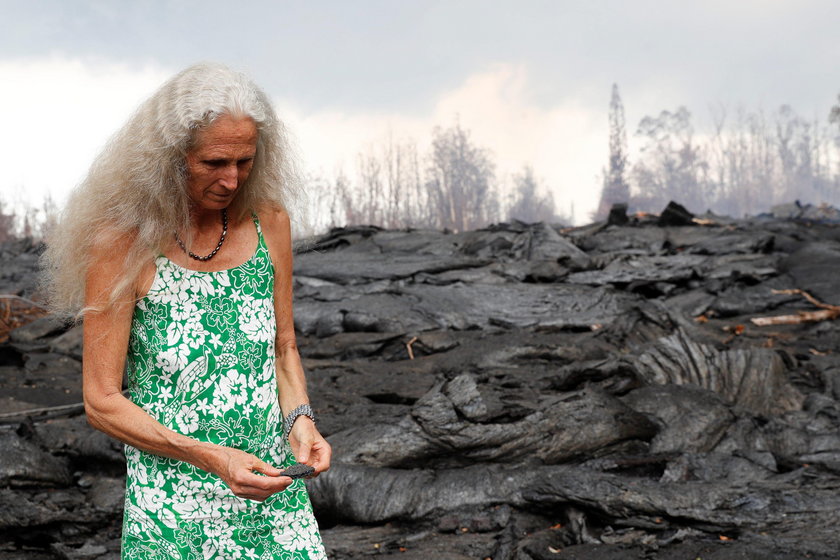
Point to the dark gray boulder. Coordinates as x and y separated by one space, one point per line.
364 494
24 463
716 506
453 424
814 269
690 419
360 267
755 379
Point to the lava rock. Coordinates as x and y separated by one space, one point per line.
690 418
618 214
675 215
755 379
24 463
814 269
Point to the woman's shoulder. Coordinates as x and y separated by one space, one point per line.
274 219
276 229
109 242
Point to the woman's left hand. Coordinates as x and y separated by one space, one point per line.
309 446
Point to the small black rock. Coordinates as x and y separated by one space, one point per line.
298 470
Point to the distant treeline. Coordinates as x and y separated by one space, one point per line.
26 219
747 162
453 186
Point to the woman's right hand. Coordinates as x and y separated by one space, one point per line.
238 470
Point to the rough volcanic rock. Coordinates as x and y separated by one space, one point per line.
760 507
755 379
691 419
453 424
517 392
675 215
19 273
24 463
363 494
814 269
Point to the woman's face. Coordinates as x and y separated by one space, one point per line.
220 161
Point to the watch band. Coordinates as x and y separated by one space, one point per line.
302 410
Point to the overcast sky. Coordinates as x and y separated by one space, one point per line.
530 79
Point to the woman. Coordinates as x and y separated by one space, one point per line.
182 238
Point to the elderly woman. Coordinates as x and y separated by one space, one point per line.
177 250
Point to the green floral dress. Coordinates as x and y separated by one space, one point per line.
201 361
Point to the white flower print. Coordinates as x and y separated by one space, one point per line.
180 479
205 284
216 528
282 517
292 537
269 373
210 549
261 398
152 498
172 359
202 284
256 319
182 305
167 517
166 377
154 408
136 469
207 407
187 420
194 332
173 333
193 498
189 506
231 390
165 394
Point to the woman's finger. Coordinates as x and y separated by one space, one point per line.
303 452
323 454
266 469
261 488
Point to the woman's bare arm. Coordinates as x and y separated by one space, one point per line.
308 445
106 335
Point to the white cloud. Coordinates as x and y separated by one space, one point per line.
564 143
57 113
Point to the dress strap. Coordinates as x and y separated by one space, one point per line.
261 244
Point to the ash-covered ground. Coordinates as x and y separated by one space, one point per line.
521 392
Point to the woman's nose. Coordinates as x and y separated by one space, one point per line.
230 177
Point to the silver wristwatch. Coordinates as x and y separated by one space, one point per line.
302 410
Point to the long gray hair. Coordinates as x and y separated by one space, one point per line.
136 187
